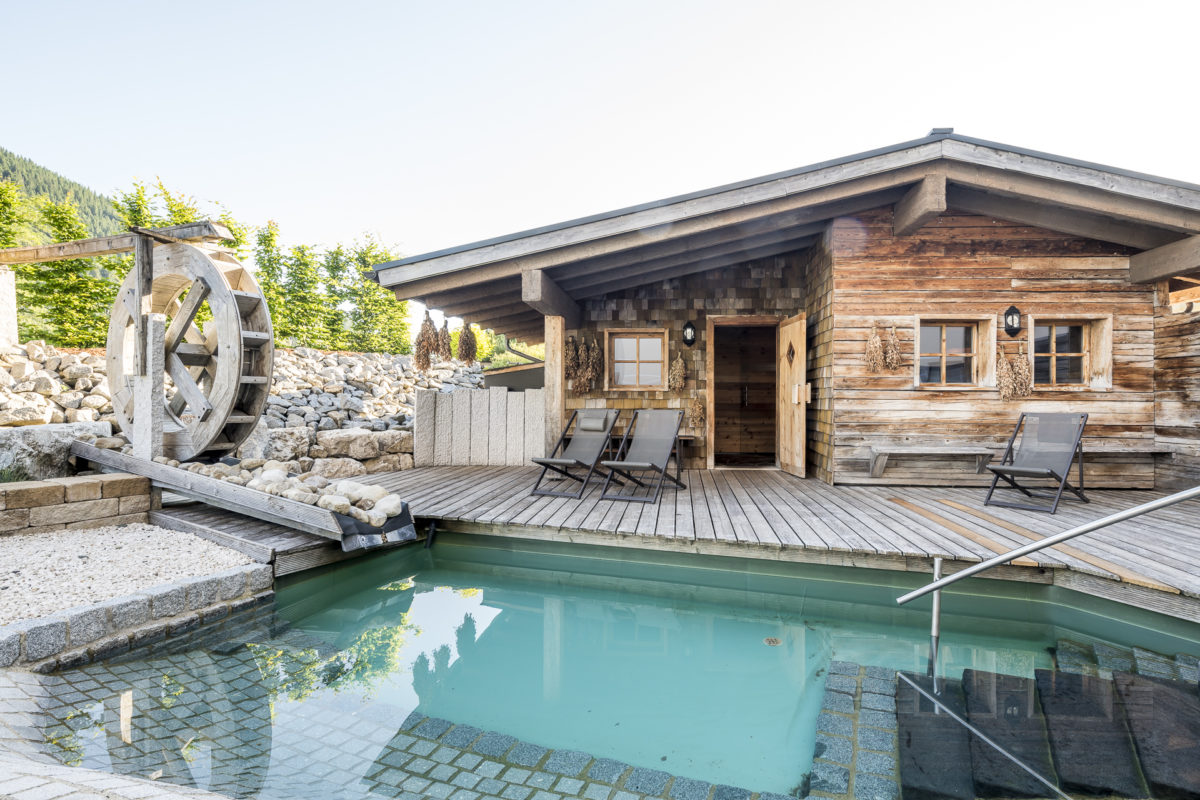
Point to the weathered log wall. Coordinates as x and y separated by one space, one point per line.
971 265
1176 395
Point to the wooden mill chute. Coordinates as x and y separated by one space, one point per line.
221 371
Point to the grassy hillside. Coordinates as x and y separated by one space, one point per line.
94 209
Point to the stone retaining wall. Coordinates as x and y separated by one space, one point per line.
80 501
161 613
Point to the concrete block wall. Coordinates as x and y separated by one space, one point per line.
80 501
112 627
491 428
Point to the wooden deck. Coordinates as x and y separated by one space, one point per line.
1152 562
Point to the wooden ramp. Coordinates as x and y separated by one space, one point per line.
287 550
287 533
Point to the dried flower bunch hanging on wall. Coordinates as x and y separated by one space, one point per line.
695 413
444 349
571 359
589 368
426 344
677 377
467 346
874 351
891 352
1022 373
1013 379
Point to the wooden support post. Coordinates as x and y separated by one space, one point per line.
923 203
148 398
555 380
8 308
143 265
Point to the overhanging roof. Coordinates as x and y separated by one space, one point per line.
509 282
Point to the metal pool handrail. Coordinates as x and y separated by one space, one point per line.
1058 538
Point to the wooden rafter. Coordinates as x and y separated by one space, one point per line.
111 245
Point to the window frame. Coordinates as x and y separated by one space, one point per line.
984 351
610 334
1084 355
1098 361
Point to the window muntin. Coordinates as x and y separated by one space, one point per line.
1060 353
636 359
947 354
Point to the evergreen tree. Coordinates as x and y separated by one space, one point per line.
14 215
71 298
269 272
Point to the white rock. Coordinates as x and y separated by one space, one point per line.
389 506
269 476
335 503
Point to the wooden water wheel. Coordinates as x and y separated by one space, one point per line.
221 368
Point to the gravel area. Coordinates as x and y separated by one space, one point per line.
42 573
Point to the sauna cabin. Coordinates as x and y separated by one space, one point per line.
958 260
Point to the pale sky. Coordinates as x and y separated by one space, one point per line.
439 123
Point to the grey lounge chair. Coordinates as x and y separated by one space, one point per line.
1049 444
655 435
577 459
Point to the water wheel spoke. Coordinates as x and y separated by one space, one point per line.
186 385
182 319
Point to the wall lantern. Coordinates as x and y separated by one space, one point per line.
689 334
1012 321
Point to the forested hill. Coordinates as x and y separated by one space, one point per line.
94 209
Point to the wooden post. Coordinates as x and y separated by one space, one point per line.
8 308
148 398
143 264
555 380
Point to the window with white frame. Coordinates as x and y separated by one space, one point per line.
636 358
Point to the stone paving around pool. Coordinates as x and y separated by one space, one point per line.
856 747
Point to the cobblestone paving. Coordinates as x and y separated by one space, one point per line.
204 715
856 747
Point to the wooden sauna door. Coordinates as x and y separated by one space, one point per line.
789 406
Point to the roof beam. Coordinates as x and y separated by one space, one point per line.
685 221
1064 220
543 295
702 265
573 277
523 318
923 203
1061 194
1176 258
205 230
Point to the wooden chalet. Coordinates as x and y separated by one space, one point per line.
785 277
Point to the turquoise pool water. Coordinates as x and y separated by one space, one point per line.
707 668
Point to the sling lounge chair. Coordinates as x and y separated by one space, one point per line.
655 435
1049 444
577 460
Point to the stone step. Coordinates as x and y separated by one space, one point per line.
1006 709
935 752
1164 719
1089 739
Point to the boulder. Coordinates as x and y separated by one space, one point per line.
43 451
283 444
338 467
25 416
350 443
389 463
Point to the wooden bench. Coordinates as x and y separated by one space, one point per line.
880 454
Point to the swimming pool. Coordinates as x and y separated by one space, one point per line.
707 668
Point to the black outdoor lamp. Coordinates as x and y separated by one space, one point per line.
1012 321
689 334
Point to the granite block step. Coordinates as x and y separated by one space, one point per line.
935 751
1006 709
1092 748
1164 719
